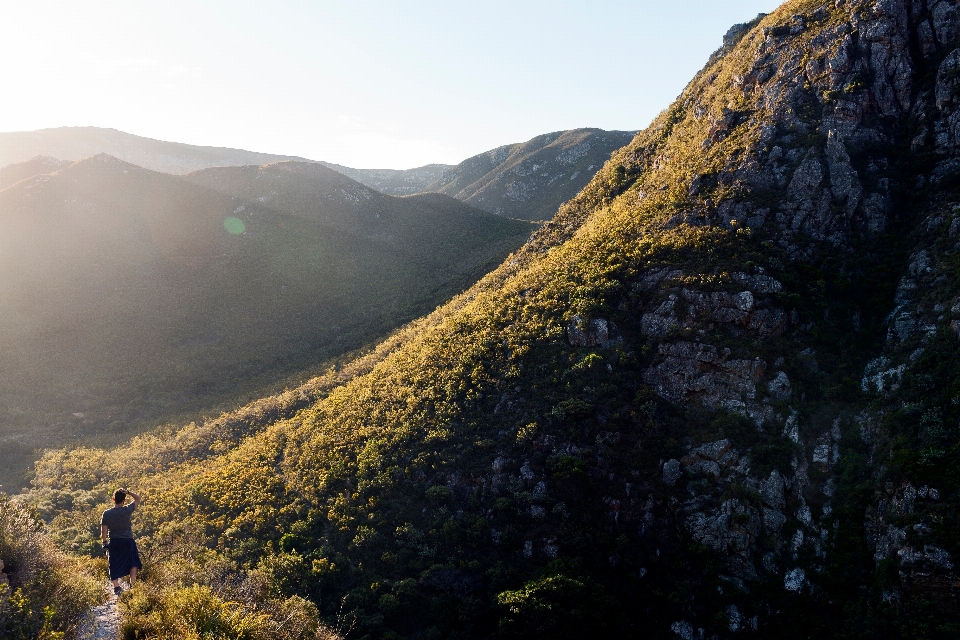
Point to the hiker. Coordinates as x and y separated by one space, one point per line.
122 549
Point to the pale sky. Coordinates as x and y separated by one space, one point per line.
368 84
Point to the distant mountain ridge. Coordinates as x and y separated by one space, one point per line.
76 143
396 182
527 180
38 165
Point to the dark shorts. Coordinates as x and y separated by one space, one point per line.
124 556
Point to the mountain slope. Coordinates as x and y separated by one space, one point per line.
395 182
716 395
132 296
38 165
528 181
75 143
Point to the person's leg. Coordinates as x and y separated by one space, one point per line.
133 576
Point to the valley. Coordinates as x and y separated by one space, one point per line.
133 297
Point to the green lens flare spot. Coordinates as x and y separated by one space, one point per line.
234 226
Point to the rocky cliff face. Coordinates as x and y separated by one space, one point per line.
846 118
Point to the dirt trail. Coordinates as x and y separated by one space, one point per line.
102 622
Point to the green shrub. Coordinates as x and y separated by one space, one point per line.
188 612
50 592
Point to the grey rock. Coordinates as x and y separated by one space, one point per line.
671 471
773 520
946 22
732 528
769 562
696 369
806 179
926 39
705 467
658 323
822 450
932 558
683 629
771 490
743 301
794 579
891 541
779 387
757 283
768 322
736 621
920 264
593 333
905 291
844 181
712 450
540 491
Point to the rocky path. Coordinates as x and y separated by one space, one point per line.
102 622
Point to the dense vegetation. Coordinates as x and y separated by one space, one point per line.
132 297
501 467
49 593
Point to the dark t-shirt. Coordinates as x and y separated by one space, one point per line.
117 520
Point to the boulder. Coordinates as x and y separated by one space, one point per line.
590 333
779 387
671 471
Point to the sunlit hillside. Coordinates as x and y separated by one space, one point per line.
132 297
528 180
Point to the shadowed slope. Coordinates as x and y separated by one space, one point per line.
131 296
395 182
526 181
14 173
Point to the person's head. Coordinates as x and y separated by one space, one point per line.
119 496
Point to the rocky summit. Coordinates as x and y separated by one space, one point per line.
717 395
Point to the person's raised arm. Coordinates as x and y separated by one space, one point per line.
136 497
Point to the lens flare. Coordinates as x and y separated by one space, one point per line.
234 225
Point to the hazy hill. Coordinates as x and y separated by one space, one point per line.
75 143
716 396
526 181
131 296
14 173
395 182
530 180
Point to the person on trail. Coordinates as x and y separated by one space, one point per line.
122 548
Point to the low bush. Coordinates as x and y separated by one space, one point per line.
50 592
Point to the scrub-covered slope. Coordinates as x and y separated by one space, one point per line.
131 297
531 179
715 395
528 180
395 182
